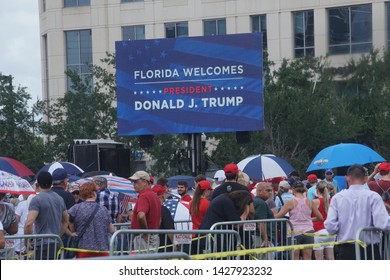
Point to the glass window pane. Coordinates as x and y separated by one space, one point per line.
210 27
299 53
339 49
182 29
263 20
170 30
339 29
255 23
299 29
361 24
140 32
309 33
221 27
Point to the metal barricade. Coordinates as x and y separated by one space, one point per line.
34 247
118 226
377 241
158 256
251 233
191 242
183 225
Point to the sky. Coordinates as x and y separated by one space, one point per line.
19 44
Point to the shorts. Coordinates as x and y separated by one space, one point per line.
301 239
324 239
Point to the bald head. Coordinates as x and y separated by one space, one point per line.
264 190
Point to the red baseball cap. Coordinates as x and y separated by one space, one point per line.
151 180
312 177
231 168
159 190
205 185
384 166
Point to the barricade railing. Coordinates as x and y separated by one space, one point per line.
157 256
183 225
376 241
118 226
33 247
191 242
251 233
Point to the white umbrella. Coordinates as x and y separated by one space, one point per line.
13 184
265 166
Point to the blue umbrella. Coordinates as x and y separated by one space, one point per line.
71 168
265 166
345 154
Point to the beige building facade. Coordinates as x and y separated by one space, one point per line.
76 32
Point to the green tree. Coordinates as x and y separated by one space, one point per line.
368 93
85 112
19 128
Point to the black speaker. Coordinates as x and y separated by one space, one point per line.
86 156
116 161
243 137
146 141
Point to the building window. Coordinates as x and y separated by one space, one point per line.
136 32
176 29
76 3
79 53
43 5
350 29
303 33
214 27
388 24
259 24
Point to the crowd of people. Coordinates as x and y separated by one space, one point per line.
319 212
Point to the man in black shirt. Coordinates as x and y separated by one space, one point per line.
230 184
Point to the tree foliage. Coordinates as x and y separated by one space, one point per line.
85 112
19 128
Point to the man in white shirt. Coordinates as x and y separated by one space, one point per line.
353 209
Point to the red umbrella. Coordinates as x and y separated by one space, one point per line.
15 167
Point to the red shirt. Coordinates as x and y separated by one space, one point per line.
384 186
149 203
318 225
186 197
204 204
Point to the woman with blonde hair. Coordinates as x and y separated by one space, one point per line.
322 203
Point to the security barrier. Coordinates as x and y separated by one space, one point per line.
251 232
376 241
191 242
34 247
119 226
158 256
183 225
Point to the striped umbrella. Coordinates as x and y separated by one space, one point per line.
265 166
114 183
15 167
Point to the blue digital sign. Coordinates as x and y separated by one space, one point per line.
190 85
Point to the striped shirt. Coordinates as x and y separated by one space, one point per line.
110 201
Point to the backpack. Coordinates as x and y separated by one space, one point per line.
385 195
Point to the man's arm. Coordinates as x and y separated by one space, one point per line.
64 222
31 217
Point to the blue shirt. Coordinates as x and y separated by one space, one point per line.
311 193
354 208
285 197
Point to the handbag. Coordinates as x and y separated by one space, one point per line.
73 241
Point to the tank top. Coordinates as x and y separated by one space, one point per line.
318 225
300 216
